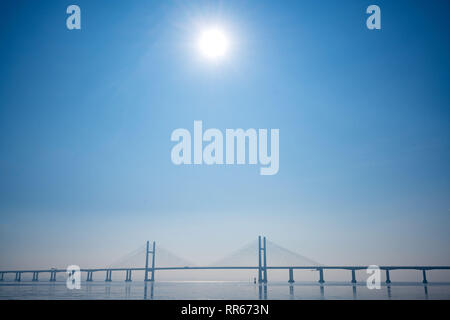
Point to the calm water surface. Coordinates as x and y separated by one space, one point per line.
220 290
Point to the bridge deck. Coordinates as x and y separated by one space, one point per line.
238 268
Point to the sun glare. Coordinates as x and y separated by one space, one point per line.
213 43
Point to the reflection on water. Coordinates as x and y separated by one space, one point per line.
107 291
152 284
221 290
262 292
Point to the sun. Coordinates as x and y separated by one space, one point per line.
213 43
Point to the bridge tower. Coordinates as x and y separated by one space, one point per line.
262 265
147 251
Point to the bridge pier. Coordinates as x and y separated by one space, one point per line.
1 276
291 275
35 276
152 279
353 276
388 278
89 276
128 276
321 276
18 276
424 277
108 275
259 261
53 276
265 260
262 266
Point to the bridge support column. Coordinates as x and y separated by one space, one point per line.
35 276
353 276
265 261
259 261
18 276
153 263
2 274
388 278
108 275
153 252
152 277
128 276
262 261
53 276
321 276
291 275
89 276
424 277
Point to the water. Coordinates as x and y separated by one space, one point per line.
218 290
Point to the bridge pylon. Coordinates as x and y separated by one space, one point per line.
147 251
262 261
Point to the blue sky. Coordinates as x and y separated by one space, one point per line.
86 118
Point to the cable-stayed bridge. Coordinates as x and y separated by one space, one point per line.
253 256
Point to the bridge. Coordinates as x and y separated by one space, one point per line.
261 268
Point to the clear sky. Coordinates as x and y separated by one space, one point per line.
86 118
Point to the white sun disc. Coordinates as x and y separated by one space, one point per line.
213 43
